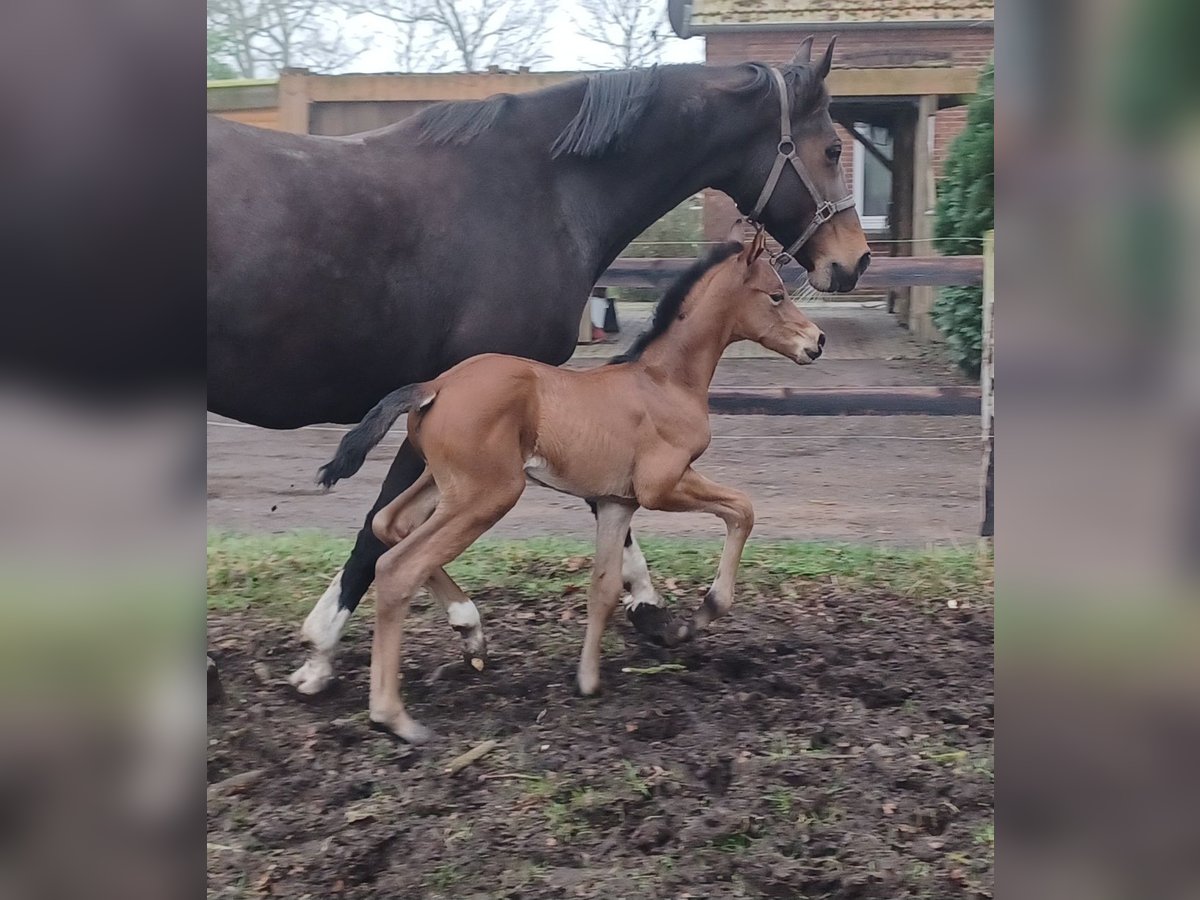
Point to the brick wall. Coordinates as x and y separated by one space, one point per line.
966 47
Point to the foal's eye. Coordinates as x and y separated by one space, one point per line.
834 153
777 297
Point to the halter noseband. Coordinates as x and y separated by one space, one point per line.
826 209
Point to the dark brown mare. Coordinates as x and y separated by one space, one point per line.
342 268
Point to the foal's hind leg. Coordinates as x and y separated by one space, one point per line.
612 524
695 493
397 521
328 618
453 527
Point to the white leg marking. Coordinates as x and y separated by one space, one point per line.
462 614
636 574
323 629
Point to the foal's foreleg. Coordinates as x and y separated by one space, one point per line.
695 493
643 605
612 524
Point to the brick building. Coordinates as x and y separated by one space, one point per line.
902 73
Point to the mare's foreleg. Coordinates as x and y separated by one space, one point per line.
328 619
695 493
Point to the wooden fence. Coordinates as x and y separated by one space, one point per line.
884 272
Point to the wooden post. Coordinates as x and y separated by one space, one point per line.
294 100
920 320
987 380
903 135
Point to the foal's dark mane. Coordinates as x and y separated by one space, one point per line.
613 105
667 309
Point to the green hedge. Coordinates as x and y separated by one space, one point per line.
966 208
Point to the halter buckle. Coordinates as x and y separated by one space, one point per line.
790 144
825 212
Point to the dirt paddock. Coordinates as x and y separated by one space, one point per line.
824 743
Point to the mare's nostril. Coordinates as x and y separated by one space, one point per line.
821 341
863 262
812 354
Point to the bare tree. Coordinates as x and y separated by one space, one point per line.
475 33
632 31
255 38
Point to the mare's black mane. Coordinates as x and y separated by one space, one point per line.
667 309
613 105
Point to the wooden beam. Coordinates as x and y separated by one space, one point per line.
867 145
947 400
842 83
430 87
884 272
912 82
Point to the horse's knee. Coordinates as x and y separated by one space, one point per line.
740 515
386 529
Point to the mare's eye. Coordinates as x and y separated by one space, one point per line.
834 153
777 297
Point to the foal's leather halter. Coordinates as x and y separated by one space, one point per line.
826 209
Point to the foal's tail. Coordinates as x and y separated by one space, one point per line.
353 450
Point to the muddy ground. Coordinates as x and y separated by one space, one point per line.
817 743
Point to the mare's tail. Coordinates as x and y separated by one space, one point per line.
353 450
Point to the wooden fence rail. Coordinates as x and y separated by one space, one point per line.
884 272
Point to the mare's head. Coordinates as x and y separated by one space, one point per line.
759 307
837 252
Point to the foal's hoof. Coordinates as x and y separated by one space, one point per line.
403 727
648 620
314 677
673 634
474 648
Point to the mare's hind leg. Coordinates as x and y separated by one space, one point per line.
459 519
695 493
399 519
612 524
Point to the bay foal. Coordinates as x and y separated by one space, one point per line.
622 436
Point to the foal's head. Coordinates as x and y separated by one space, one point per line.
759 307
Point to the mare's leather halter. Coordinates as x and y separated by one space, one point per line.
826 209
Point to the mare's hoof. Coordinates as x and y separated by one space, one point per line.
314 677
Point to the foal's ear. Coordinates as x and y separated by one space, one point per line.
757 246
826 62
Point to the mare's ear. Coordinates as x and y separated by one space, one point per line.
804 55
826 62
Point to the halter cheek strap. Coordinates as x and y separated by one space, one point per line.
826 209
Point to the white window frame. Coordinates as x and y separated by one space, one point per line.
869 223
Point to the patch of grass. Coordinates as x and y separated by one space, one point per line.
780 800
986 834
286 573
636 783
443 877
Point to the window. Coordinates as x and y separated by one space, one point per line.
872 180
